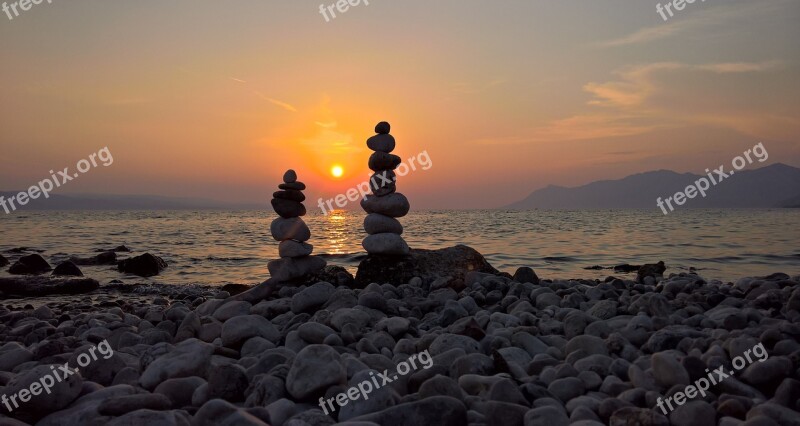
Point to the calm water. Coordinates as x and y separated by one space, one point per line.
234 247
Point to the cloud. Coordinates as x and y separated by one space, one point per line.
276 102
717 14
637 84
629 109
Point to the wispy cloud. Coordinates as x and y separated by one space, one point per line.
238 80
284 105
715 14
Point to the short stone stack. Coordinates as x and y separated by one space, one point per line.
385 204
296 260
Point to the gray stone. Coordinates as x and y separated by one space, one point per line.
217 412
288 268
189 358
289 229
386 244
668 371
383 182
127 403
312 297
546 416
290 176
437 410
392 205
60 395
693 413
375 223
292 248
287 208
237 330
313 370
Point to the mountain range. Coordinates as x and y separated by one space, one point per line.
776 185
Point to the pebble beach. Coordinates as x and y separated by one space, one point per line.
510 350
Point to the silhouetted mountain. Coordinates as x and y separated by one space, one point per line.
125 202
776 185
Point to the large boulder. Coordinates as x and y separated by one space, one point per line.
145 265
31 264
3 261
454 262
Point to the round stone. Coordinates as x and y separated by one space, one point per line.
383 182
291 248
289 268
376 223
383 128
293 185
290 176
288 208
382 143
381 161
385 243
392 205
289 229
290 194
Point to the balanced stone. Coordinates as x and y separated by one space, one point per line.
382 143
288 268
288 208
383 128
381 161
393 205
293 185
383 183
290 176
290 194
292 248
376 223
386 243
290 229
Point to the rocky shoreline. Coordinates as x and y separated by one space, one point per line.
507 349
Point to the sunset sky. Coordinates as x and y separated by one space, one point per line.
216 99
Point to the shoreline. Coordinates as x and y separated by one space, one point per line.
502 352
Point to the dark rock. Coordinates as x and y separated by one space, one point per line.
651 270
381 143
290 194
525 275
288 208
145 265
125 404
383 182
380 161
31 264
626 268
67 269
42 286
426 264
297 186
629 416
383 128
234 289
3 261
290 176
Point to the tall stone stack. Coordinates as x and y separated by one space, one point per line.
295 254
385 204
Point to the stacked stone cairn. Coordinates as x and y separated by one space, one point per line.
295 254
385 204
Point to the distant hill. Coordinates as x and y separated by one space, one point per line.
125 202
777 185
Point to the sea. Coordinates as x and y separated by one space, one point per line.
225 247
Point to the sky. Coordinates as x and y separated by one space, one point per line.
197 98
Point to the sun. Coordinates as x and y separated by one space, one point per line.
337 171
